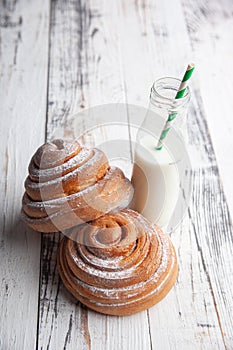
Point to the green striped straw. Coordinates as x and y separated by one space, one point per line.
180 93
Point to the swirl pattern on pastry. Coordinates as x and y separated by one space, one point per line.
119 264
69 184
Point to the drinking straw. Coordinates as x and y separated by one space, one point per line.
180 93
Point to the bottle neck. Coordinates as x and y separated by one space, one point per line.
163 94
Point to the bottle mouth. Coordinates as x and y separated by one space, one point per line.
163 93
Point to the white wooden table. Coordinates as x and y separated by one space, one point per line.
59 57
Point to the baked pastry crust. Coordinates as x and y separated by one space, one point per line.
119 264
69 184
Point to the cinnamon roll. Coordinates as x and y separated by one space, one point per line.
119 264
69 184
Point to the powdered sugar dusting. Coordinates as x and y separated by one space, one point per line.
118 287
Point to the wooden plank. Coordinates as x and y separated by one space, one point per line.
210 27
216 235
24 60
197 313
85 70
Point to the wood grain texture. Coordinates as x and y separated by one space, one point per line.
199 316
85 70
100 53
210 26
24 63
212 19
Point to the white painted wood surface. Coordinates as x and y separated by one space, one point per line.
210 27
23 88
106 52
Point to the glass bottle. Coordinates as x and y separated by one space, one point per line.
161 178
